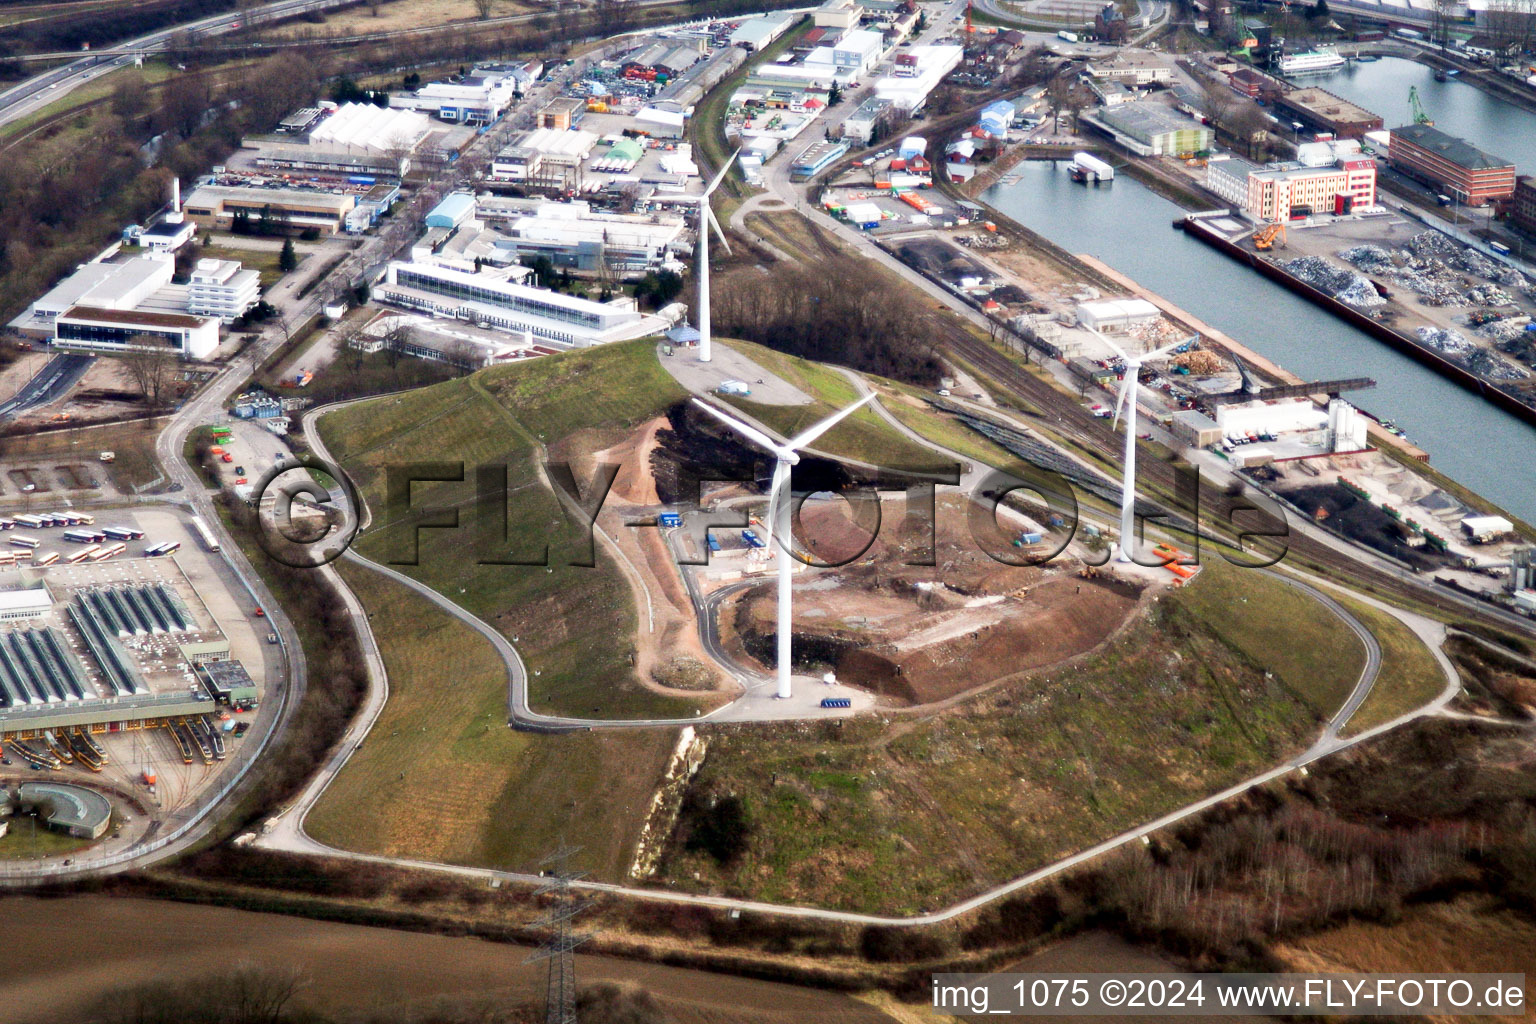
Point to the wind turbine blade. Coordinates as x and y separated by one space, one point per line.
709 215
801 440
781 473
1159 353
1126 387
751 433
714 182
1106 340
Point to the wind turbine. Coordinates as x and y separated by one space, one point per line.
786 455
1128 485
706 221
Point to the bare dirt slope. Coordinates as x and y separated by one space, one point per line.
925 633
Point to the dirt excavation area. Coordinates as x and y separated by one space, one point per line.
919 634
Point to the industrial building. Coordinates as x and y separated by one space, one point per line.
116 330
479 97
19 605
1195 428
917 71
585 241
547 158
227 682
562 113
754 34
1287 191
352 139
105 285
506 305
222 288
101 650
73 810
1131 69
1522 206
1452 165
1151 129
219 206
1116 316
816 158
1322 111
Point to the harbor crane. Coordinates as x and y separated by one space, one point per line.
1420 115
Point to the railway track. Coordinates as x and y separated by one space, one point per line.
1093 435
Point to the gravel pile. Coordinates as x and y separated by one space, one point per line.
1452 343
1344 285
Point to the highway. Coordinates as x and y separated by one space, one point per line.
56 377
41 90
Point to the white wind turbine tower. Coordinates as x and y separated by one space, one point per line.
706 221
787 455
1128 485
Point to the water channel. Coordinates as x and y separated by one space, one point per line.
1130 228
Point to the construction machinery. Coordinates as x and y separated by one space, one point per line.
1415 108
1264 238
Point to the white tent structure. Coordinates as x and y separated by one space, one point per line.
1128 486
787 455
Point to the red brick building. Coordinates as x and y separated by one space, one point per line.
1522 206
1455 167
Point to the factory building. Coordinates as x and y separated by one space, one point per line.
816 158
1135 70
547 158
917 71
101 285
1322 111
754 34
577 238
1284 193
1151 129
219 206
547 315
454 209
353 139
479 97
562 113
222 288
20 605
1195 428
117 330
1451 165
1116 316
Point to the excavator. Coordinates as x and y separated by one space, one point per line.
1264 238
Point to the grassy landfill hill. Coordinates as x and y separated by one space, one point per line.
1209 685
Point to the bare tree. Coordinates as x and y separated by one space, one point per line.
483 8
151 369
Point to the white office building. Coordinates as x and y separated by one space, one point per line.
479 97
222 288
918 71
509 306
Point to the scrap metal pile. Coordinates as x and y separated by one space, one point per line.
1437 267
1344 285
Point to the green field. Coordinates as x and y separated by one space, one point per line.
573 624
1410 676
1284 631
864 436
263 261
442 778
900 815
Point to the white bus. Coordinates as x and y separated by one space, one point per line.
82 555
46 558
209 540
